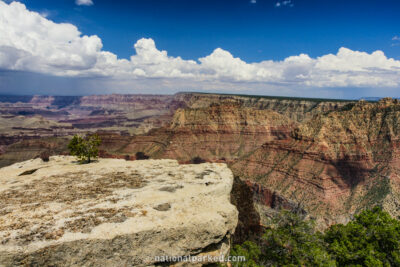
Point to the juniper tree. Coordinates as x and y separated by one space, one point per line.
84 148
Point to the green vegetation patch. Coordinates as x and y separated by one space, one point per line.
372 238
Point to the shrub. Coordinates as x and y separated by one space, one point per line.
197 160
371 239
45 156
293 241
141 156
85 148
250 251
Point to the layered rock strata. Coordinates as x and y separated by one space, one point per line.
297 109
336 164
138 115
223 131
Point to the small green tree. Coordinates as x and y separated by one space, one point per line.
84 148
293 241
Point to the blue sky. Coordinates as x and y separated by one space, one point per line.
251 31
254 37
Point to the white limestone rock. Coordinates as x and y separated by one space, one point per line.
113 212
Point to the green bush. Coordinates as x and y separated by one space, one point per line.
85 148
250 251
371 239
293 240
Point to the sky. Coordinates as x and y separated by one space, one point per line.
309 48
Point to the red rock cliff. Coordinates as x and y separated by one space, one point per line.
335 164
226 131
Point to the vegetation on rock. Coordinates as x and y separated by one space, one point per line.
84 148
372 238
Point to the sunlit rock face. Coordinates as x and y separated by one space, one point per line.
113 212
335 164
297 109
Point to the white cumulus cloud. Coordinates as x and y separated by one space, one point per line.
30 42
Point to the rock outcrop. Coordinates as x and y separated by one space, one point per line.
113 212
334 165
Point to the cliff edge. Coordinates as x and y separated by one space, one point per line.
113 212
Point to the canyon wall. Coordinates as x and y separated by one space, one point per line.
297 109
223 131
336 164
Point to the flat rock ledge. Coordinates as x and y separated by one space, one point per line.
113 212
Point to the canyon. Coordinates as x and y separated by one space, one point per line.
120 117
327 159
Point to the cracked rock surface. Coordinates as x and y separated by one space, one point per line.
113 212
